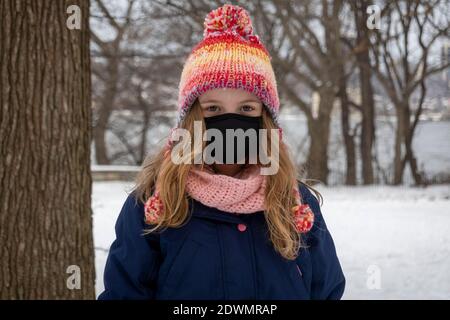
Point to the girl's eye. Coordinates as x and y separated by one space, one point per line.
212 108
247 108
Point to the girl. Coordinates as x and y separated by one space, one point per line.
223 230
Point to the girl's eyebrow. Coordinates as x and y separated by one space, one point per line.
249 100
213 101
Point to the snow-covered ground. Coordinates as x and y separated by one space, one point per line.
393 242
400 233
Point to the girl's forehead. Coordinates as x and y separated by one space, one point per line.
228 94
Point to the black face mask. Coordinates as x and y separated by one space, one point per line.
235 121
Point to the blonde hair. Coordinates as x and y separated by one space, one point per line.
159 171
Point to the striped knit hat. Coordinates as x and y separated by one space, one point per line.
229 56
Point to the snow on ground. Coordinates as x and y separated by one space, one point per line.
393 242
401 233
107 200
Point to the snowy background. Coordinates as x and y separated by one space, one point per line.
393 242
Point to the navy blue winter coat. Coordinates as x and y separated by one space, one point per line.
218 255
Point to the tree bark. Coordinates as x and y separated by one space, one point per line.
350 177
403 147
319 130
367 100
317 163
45 133
100 129
143 144
398 147
368 121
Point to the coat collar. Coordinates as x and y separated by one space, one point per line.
200 210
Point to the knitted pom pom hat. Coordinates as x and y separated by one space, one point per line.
229 56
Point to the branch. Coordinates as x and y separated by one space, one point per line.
108 15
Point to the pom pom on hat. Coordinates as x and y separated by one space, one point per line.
228 19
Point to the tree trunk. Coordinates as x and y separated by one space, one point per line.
408 134
367 101
317 163
350 178
101 152
143 145
319 130
368 125
45 198
411 158
400 131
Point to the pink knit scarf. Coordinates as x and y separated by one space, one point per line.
243 193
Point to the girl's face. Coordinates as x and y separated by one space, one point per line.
218 101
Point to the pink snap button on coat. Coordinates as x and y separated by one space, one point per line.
241 227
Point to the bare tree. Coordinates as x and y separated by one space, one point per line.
403 61
311 33
135 75
367 107
108 72
347 105
45 132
